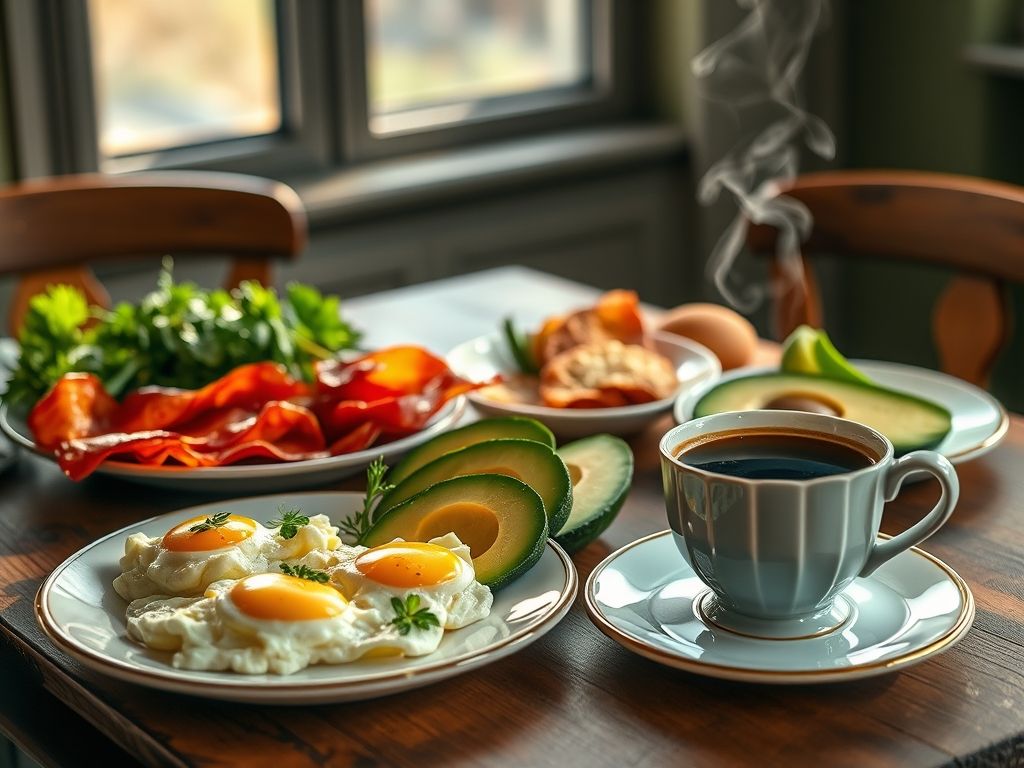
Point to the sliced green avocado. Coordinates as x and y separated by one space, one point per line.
809 350
500 518
601 468
534 463
477 432
798 351
910 422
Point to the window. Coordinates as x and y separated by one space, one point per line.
171 74
286 87
431 63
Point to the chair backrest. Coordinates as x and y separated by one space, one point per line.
974 226
52 230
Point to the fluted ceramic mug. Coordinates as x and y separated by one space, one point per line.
777 554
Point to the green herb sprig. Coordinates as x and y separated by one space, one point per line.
218 520
519 347
357 524
179 335
289 521
305 572
409 615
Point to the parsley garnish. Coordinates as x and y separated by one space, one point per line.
358 524
305 572
217 521
179 335
289 521
409 615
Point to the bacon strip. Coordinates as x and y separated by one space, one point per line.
256 412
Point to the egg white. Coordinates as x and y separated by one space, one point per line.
456 603
212 633
148 569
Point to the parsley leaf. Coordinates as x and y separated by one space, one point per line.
305 572
289 521
409 615
218 520
358 524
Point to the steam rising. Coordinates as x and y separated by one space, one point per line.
755 69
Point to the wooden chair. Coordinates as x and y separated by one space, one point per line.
973 226
52 230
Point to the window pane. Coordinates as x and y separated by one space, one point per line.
174 72
433 60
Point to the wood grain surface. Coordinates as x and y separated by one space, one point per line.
574 697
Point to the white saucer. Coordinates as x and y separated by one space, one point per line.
83 616
488 356
980 421
647 599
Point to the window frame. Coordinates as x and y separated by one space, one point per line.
53 99
603 97
324 102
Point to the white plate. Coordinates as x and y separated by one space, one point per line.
979 420
487 356
80 612
647 598
252 478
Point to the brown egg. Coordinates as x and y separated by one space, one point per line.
726 333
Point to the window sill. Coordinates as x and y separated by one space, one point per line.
422 180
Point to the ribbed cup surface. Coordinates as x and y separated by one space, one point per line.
774 550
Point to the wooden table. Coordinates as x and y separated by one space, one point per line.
574 697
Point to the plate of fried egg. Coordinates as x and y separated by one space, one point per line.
259 600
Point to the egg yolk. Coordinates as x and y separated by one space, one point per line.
181 538
408 564
278 597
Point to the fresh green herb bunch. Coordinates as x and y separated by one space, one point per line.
180 335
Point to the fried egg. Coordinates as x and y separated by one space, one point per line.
193 554
440 572
278 623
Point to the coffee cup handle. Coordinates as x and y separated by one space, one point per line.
937 466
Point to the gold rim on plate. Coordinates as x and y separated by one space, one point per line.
753 674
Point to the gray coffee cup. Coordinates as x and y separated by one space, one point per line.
778 553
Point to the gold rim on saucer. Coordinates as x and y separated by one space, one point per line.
752 674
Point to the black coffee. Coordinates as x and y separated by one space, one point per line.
768 454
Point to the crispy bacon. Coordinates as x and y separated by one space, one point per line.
247 387
76 406
255 412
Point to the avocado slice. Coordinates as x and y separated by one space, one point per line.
910 422
809 350
501 519
487 429
601 468
526 460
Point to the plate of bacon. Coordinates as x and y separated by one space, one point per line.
255 429
594 370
